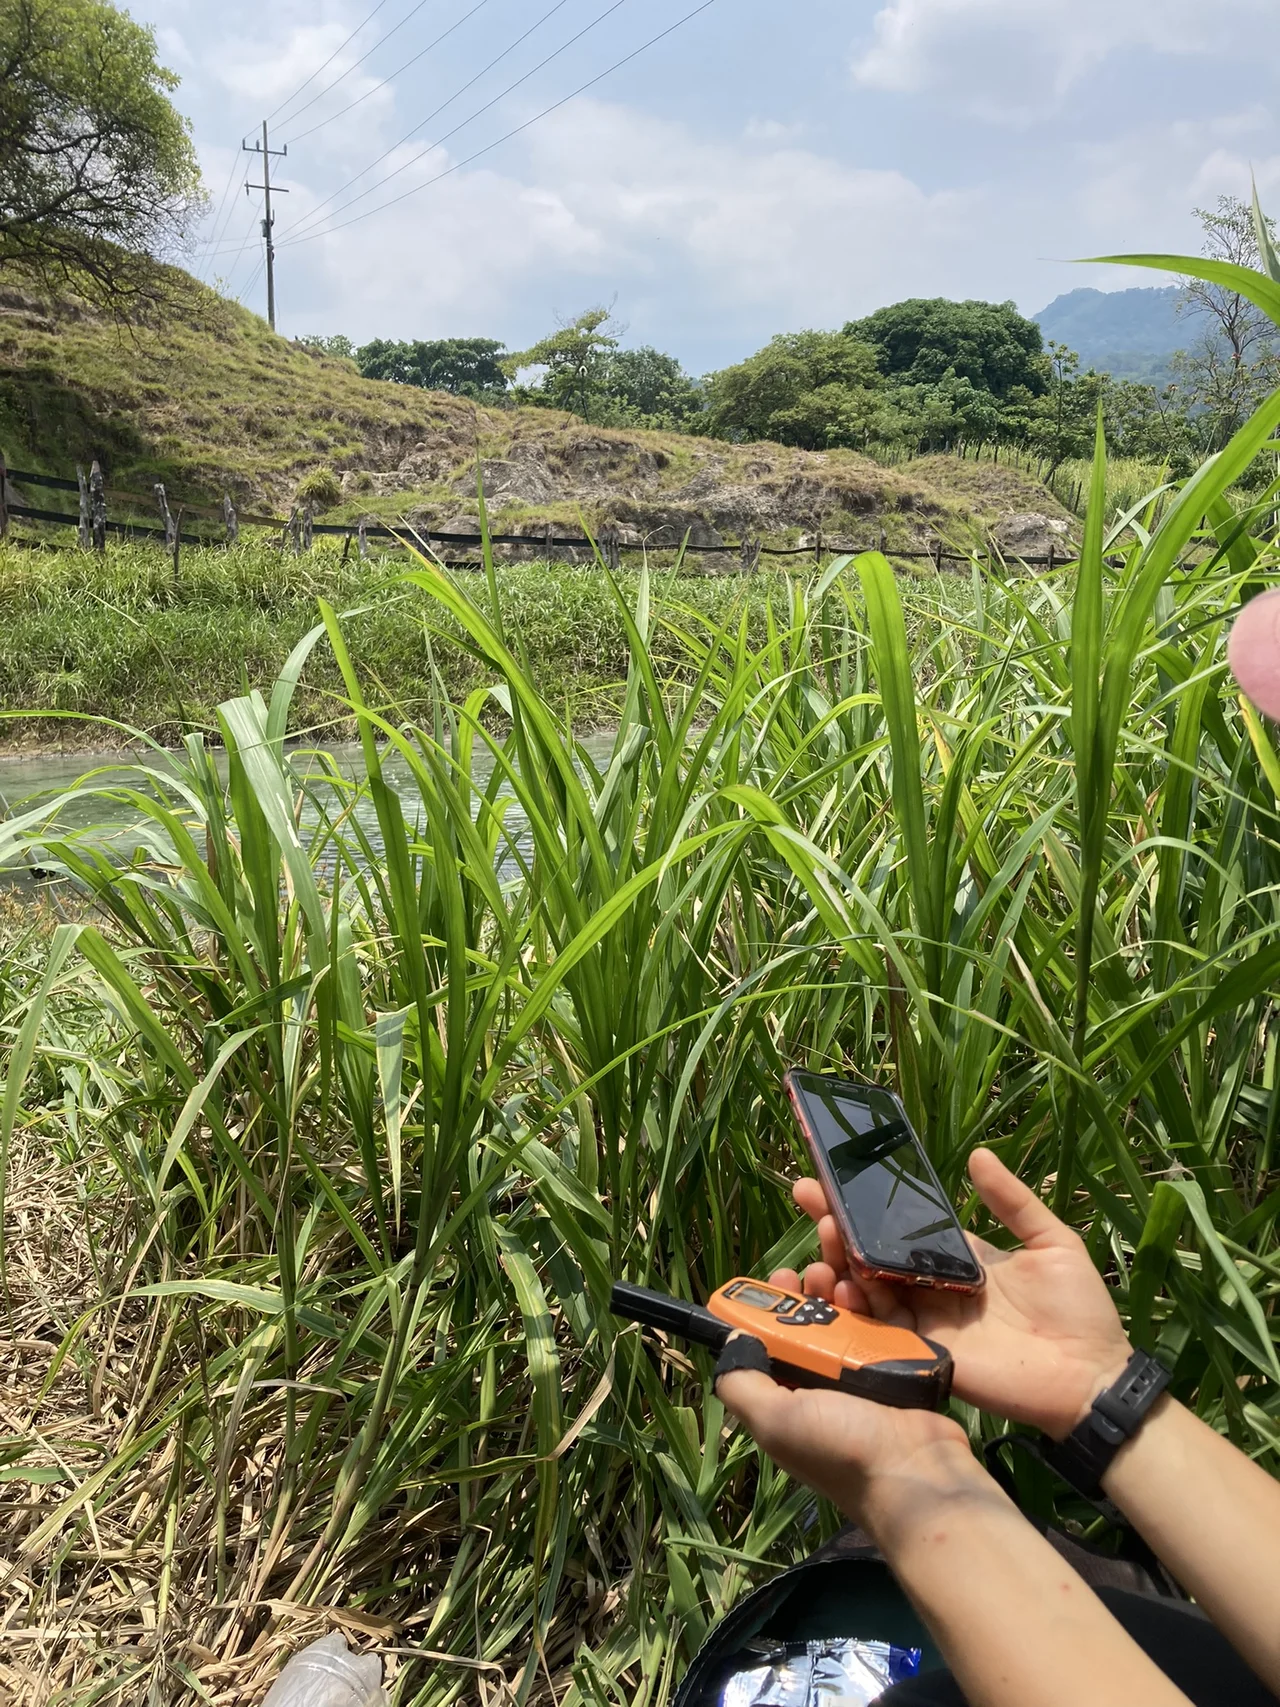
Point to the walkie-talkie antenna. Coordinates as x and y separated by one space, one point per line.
660 1310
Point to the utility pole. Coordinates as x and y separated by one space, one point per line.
268 220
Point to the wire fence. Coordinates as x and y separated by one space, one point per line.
298 530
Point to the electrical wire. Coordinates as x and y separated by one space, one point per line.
291 235
251 230
254 276
221 218
489 147
289 99
355 66
401 69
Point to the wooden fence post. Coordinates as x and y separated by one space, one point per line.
162 504
97 506
883 542
231 520
308 517
937 556
293 527
362 537
549 547
83 533
1051 557
817 546
750 555
4 502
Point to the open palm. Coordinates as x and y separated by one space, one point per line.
1040 1340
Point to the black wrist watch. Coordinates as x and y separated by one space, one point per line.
1084 1457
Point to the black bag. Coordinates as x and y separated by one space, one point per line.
846 1589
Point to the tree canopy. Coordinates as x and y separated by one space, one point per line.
805 388
469 367
97 170
922 340
575 359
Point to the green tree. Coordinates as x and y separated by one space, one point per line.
811 389
645 387
1060 423
468 367
336 344
923 340
1234 360
576 361
97 171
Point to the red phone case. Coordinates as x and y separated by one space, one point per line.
861 1265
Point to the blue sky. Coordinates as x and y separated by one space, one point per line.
769 165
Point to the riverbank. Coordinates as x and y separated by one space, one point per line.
93 648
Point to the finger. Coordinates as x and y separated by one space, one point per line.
887 1304
751 1396
820 1281
832 1245
1014 1204
810 1197
786 1278
849 1295
1253 652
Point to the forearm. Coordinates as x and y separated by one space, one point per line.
1213 1518
1014 1622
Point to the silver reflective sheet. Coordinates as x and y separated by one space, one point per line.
840 1671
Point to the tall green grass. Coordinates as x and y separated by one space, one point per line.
356 1140
119 638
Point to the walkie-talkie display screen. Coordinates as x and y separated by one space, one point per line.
896 1209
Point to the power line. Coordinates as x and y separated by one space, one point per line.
401 69
244 243
221 217
489 147
328 62
252 280
290 234
395 29
308 218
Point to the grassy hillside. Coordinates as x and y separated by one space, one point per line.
207 399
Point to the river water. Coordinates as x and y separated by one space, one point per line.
28 780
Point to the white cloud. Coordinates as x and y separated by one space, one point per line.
615 202
251 70
1146 180
1016 59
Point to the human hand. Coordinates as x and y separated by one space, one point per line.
1037 1344
870 1460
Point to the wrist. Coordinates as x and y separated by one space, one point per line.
894 1499
1108 1370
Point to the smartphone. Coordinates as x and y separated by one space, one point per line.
891 1210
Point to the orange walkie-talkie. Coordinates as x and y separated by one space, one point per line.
810 1343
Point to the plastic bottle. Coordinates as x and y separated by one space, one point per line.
328 1674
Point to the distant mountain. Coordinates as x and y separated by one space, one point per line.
1129 333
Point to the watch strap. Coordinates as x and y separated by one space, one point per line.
1084 1457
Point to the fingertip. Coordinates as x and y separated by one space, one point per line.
808 1196
787 1278
820 1281
747 1393
850 1296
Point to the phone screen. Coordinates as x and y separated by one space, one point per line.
899 1213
